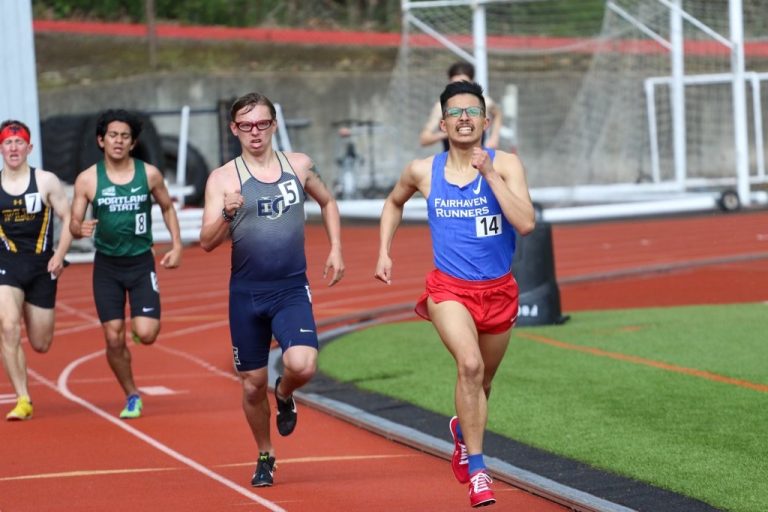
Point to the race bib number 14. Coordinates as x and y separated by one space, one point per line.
488 225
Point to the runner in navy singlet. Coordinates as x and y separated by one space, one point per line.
29 265
476 199
257 201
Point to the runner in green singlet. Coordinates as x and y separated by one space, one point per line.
120 189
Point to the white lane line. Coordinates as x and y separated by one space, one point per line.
64 390
100 472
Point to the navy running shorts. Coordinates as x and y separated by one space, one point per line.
30 273
114 276
260 310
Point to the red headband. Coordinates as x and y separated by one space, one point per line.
14 130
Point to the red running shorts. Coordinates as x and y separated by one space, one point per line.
493 304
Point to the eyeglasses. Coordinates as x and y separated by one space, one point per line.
247 126
457 111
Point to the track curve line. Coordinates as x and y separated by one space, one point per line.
63 388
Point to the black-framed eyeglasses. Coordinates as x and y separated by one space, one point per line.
247 126
458 111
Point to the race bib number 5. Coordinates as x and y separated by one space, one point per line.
290 192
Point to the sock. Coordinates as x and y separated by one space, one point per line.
476 463
458 432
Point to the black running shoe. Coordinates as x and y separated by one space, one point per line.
286 412
265 467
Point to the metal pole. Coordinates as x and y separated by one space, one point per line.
18 73
479 40
736 21
757 115
181 157
678 92
653 134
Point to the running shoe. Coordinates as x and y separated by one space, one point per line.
480 493
459 459
133 408
286 412
265 468
22 411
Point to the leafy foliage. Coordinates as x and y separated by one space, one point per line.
354 14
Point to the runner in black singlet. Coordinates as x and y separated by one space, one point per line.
29 265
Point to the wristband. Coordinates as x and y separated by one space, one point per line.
227 218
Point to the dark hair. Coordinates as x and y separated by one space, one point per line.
462 87
11 122
461 68
251 100
121 115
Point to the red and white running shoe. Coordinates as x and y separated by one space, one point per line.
459 459
480 493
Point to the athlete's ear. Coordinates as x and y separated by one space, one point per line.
442 126
100 141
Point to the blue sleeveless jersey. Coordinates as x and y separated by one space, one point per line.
268 231
471 238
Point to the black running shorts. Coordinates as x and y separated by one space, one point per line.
30 273
114 276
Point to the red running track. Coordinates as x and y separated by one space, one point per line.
192 450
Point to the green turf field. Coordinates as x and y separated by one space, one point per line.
677 397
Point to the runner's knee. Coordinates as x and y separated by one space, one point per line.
41 343
300 363
11 334
254 389
471 369
145 337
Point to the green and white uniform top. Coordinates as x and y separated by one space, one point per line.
124 213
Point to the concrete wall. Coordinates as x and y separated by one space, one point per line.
318 98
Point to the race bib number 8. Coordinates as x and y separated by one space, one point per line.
141 223
488 225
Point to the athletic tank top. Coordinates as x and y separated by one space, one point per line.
124 213
26 224
471 238
268 230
